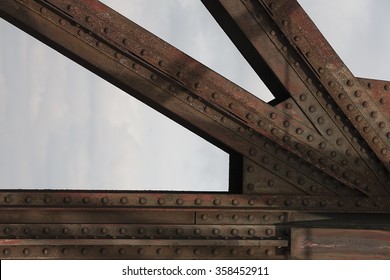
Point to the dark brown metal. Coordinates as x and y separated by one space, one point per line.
315 153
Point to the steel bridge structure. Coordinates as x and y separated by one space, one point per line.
309 171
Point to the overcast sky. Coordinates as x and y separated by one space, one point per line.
63 127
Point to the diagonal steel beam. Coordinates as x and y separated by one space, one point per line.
190 93
251 26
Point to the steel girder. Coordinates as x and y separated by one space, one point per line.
316 157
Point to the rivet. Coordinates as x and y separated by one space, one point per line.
204 217
85 200
269 232
284 48
321 70
136 66
350 83
65 251
197 85
312 109
388 135
28 199
196 251
274 131
314 188
154 77
142 52
198 201
84 251
233 252
26 251
141 231
268 252
80 32
179 201
374 114
104 231
272 116
45 251
296 64
235 217
232 106
303 97
382 101
288 202
329 131
159 251
124 200
142 200
370 85
69 7
61 22
250 252
260 123
384 151
270 183
215 252
27 231
296 38
251 187
122 251
366 129
252 152
310 138
241 129
273 33
219 217
161 201
359 203
309 80
8 199
84 230
235 202
322 145
6 251
46 230
251 202
299 131
178 251
286 138
375 140
65 230
270 202
249 116
197 231
105 200
265 159
332 84
365 104
122 230
179 231
217 201
251 232
216 231
7 230
305 202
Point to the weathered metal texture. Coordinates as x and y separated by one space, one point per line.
263 36
316 152
325 243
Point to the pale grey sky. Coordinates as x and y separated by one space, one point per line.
63 127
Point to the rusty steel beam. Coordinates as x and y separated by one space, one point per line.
162 76
260 34
322 243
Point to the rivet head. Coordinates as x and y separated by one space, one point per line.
350 83
251 252
251 232
122 230
65 251
28 199
272 116
204 217
216 231
26 251
179 201
219 217
161 201
124 200
6 252
269 252
251 217
235 202
234 232
45 251
84 251
142 200
235 217
251 202
215 252
198 201
197 231
8 199
269 232
382 125
196 251
47 199
86 200
105 200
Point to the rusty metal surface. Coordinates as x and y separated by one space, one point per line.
319 151
321 243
